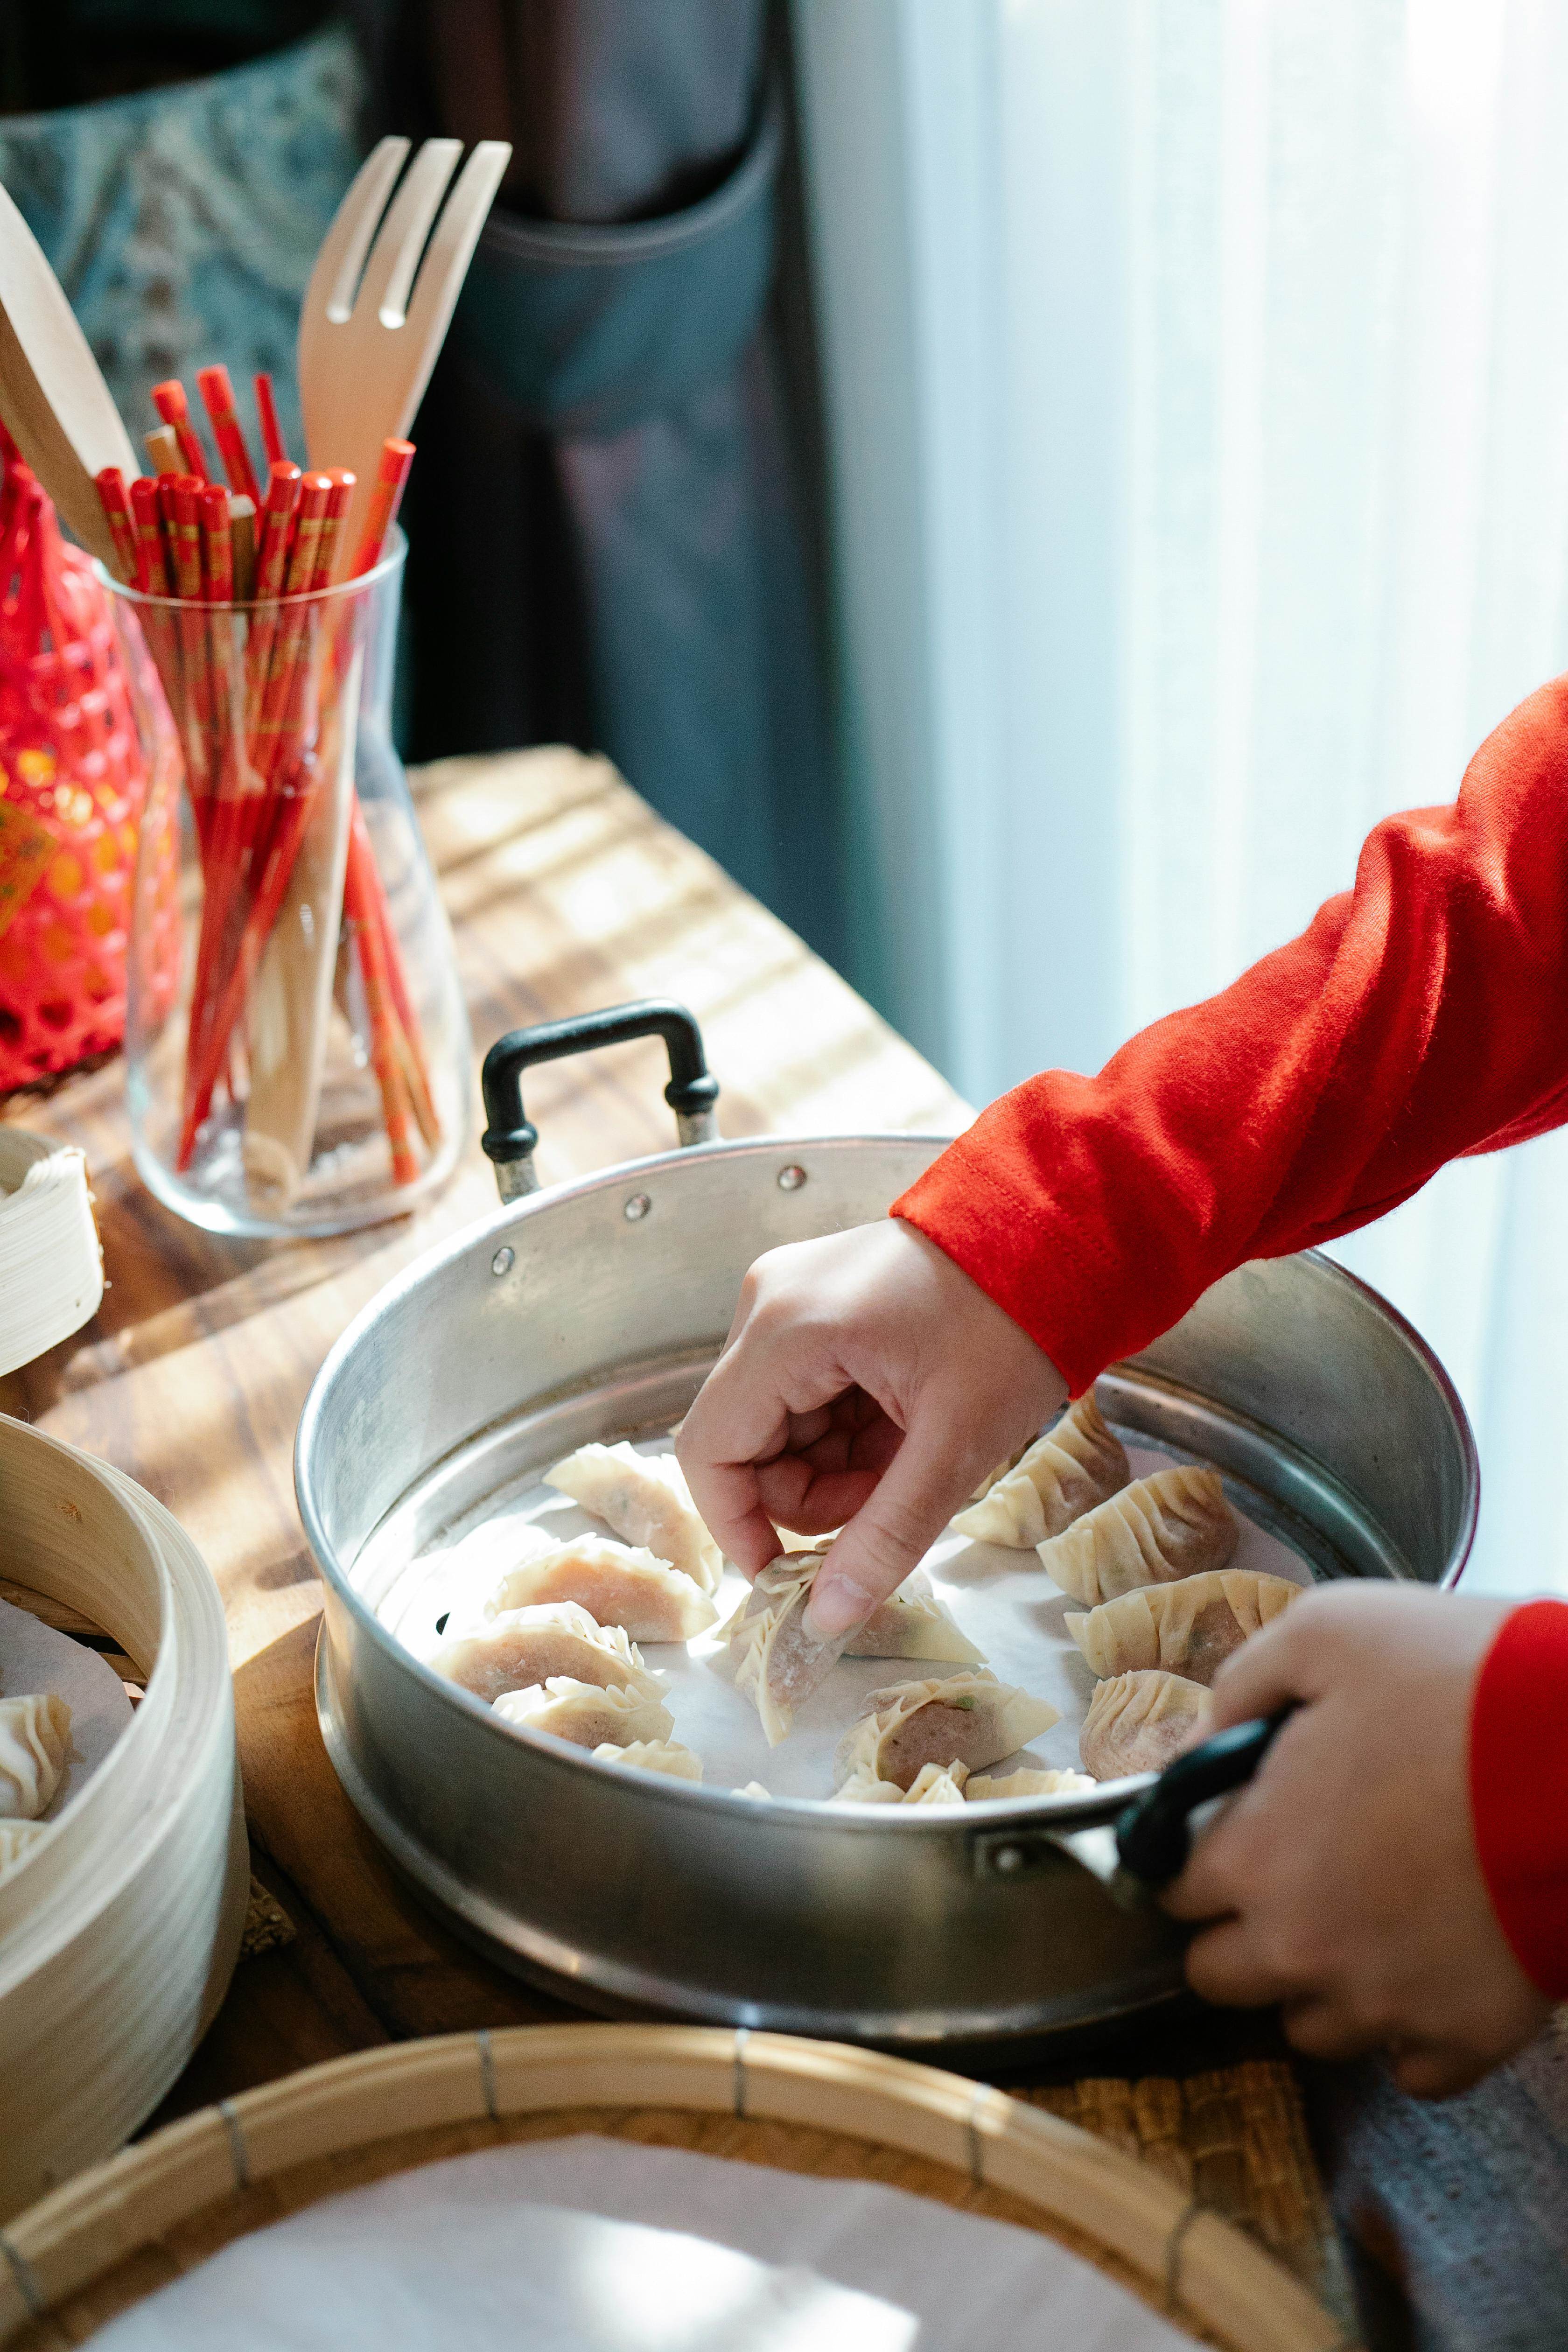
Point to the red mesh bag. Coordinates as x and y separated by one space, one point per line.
72 787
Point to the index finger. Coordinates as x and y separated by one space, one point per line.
740 1421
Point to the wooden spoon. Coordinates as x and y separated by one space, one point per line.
55 404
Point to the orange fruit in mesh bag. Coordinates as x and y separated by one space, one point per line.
72 783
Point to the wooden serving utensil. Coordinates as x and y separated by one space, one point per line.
371 328
53 398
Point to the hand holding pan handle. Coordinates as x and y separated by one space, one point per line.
509 1137
1147 1845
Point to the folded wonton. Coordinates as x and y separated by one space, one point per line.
17 1838
1024 1783
1190 1627
1173 1524
644 1499
1075 1465
616 1584
778 1660
775 1657
587 1716
34 1733
664 1756
518 1648
1140 1722
934 1784
970 1718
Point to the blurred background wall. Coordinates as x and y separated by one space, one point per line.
613 521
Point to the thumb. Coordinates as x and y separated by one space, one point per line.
1276 1667
908 1509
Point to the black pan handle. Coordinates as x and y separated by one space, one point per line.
1154 1835
509 1137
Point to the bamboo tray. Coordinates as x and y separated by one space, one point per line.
119 1929
107 2239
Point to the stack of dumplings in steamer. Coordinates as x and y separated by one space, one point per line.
554 1647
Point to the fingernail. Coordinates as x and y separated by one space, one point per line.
834 1608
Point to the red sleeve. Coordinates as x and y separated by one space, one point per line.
1422 1014
1519 1786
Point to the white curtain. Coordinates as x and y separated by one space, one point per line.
1197 382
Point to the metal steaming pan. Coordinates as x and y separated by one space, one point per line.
593 1311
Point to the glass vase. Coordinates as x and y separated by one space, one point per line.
307 1071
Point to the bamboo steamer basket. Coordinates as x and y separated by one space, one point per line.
117 2234
119 1929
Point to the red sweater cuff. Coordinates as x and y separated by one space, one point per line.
1519 1786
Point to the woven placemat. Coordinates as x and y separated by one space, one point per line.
1236 2138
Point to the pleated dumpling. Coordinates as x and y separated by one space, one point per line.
1026 1783
642 1498
1173 1524
616 1584
587 1716
1078 1463
775 1657
35 1734
520 1647
1190 1627
666 1756
970 1718
1140 1722
913 1623
18 1839
934 1784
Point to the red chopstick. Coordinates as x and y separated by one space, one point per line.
169 400
266 411
218 398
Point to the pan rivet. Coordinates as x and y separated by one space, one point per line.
636 1208
791 1179
503 1261
1006 1860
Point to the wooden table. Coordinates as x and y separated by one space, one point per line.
565 893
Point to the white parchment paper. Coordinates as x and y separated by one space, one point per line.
593 2245
1003 1599
34 1657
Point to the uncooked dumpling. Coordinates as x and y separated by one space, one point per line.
616 1584
664 1756
913 1623
17 1838
1024 1783
1075 1465
1190 1627
969 1719
1173 1524
644 1499
520 1647
776 1658
934 1784
34 1733
587 1716
1140 1722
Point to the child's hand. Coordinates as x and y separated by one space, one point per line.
866 1381
1343 1882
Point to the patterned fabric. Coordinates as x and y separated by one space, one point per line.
183 222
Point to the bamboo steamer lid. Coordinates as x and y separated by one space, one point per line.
120 1928
111 2238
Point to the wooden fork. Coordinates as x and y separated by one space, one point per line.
370 329
61 412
